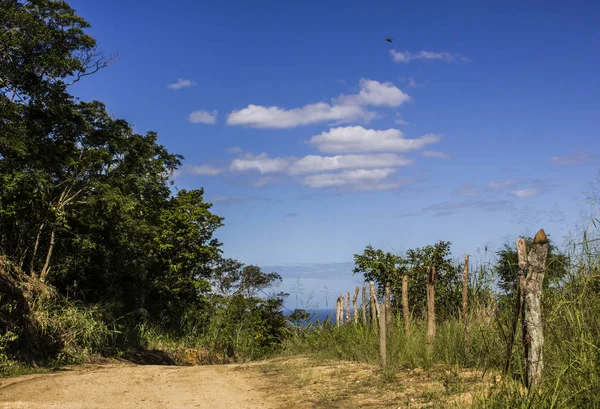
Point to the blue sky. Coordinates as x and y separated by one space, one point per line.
314 137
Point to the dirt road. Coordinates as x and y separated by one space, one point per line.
140 386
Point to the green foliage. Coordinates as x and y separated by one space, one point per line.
507 266
381 267
86 206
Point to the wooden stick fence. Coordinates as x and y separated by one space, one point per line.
532 267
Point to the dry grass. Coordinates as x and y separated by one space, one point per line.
311 382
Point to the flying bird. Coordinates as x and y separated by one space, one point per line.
389 39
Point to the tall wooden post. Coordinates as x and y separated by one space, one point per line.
533 334
382 335
388 309
355 305
339 311
465 311
405 308
431 305
373 303
363 305
348 318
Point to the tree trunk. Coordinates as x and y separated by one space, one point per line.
46 267
355 305
533 334
373 302
431 305
465 312
35 248
388 309
363 306
405 307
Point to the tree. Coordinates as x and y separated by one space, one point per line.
380 266
507 266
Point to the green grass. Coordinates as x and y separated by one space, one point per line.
571 316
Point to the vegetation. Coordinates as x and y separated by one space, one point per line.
571 307
86 207
98 255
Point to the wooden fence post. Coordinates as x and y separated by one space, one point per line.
382 335
373 302
348 318
465 311
339 311
405 309
355 305
388 309
431 305
363 306
533 334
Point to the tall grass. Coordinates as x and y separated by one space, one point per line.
571 314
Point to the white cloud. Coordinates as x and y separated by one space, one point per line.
407 56
501 184
261 163
525 192
259 116
375 93
572 159
436 154
345 108
203 117
181 83
358 139
357 177
202 170
315 163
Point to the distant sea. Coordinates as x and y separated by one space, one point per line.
320 315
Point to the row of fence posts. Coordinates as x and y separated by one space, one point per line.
532 269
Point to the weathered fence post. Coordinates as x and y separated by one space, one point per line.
431 305
355 305
388 309
382 334
363 306
373 303
405 309
339 311
533 334
348 319
465 311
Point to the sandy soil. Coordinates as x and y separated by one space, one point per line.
140 386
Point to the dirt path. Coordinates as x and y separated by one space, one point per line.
143 386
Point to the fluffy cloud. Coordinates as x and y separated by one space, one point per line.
345 108
315 163
407 56
358 139
376 94
181 83
435 154
204 170
261 163
572 159
357 178
501 184
259 116
203 117
526 192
